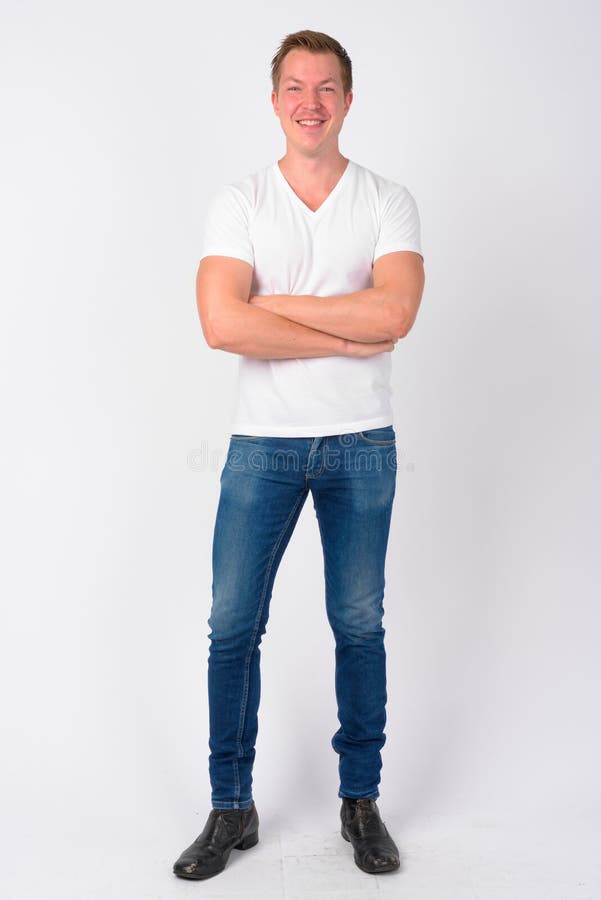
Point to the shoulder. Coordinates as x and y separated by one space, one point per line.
381 186
242 192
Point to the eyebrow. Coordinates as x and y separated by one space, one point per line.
292 78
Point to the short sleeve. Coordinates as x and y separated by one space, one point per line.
226 226
400 227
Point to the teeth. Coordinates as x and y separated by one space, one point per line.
310 121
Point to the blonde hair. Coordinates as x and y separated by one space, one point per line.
316 42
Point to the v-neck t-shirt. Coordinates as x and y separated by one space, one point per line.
324 252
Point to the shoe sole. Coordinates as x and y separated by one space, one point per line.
376 871
245 844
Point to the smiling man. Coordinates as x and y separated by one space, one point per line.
311 271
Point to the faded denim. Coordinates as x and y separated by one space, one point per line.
264 484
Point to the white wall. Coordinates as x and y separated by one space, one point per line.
119 120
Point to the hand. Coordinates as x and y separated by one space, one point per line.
360 349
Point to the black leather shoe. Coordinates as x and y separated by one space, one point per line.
225 830
375 850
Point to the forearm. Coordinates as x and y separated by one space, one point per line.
250 330
366 315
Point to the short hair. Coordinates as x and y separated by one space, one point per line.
316 42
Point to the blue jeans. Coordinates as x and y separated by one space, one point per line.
264 484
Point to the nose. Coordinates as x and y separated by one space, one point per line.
312 100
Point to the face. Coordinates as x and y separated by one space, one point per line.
310 102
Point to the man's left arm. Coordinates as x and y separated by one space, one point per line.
385 311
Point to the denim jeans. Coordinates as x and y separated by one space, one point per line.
264 484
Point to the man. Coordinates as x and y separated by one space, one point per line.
311 271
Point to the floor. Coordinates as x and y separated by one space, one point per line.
438 862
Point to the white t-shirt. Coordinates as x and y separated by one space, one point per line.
326 252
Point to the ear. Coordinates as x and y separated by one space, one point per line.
274 102
347 102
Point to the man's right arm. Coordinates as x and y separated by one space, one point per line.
229 322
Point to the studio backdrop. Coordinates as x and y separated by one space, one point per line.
120 122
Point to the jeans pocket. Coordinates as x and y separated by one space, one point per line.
383 437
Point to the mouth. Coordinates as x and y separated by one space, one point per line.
310 124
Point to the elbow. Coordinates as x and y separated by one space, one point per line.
403 330
212 327
402 318
220 323
397 331
399 325
212 342
211 335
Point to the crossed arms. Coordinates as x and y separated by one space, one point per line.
282 326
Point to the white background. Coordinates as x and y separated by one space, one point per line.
119 121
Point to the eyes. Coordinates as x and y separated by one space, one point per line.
295 87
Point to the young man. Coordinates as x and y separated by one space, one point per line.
311 271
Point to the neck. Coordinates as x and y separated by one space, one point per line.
313 172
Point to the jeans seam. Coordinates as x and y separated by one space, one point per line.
256 628
236 782
377 443
309 475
